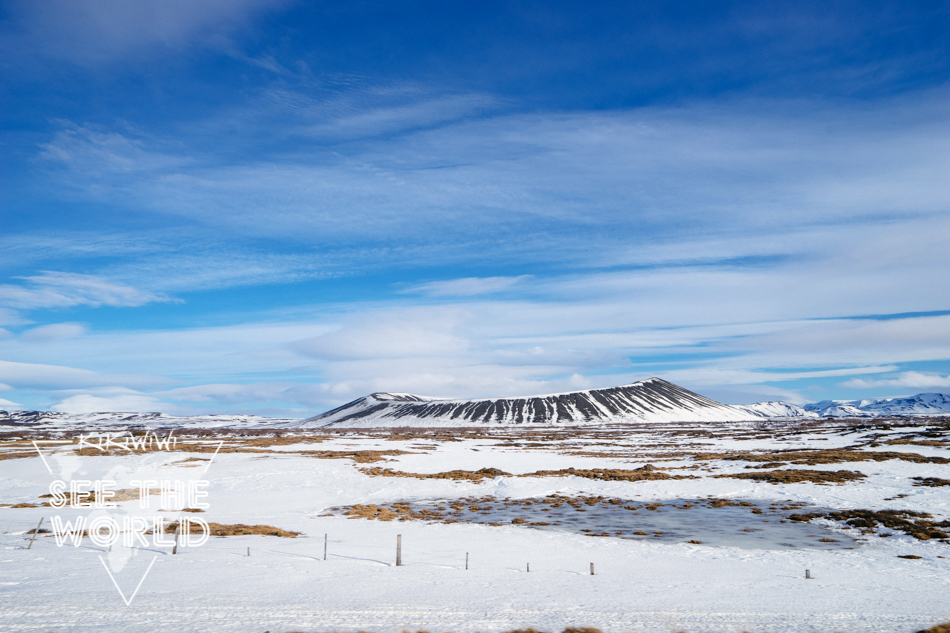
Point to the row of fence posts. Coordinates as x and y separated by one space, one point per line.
527 565
326 538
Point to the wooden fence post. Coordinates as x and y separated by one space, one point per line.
807 574
466 560
177 531
592 569
325 536
35 532
399 550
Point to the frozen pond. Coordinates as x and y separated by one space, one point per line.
715 522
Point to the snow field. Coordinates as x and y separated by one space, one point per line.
284 585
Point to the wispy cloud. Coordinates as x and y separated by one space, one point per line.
541 187
466 287
108 399
39 376
52 289
905 380
103 31
53 332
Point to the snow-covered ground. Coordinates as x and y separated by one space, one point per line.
640 585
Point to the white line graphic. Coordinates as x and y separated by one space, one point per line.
212 457
129 601
40 453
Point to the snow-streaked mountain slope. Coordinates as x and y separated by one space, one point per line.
776 409
652 400
54 420
923 404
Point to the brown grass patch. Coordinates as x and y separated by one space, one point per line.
916 524
940 628
123 494
360 457
644 473
794 476
932 482
457 475
918 442
236 529
17 455
831 456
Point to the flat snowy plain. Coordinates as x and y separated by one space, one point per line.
644 584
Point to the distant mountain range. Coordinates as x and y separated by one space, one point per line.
923 404
109 421
649 401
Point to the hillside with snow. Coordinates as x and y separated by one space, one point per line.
653 400
776 409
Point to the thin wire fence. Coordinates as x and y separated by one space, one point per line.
14 532
382 552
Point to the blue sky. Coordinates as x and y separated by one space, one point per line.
274 207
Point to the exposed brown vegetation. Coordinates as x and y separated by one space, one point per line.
794 476
120 495
932 482
17 454
916 524
237 529
940 628
360 457
831 456
458 475
644 473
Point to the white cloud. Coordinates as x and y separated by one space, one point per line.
908 379
411 333
60 290
731 244
39 376
467 287
8 404
53 332
111 399
311 395
543 182
96 151
9 317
